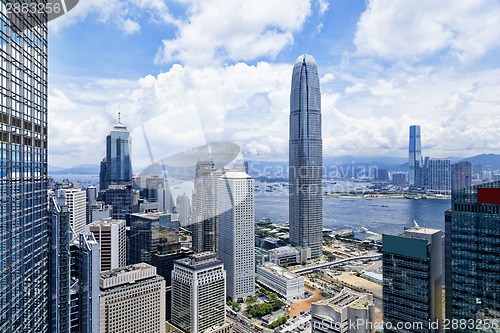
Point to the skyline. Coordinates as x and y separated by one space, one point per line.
170 64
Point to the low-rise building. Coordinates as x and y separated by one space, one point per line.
280 280
349 311
289 255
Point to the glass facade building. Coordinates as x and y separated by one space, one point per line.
23 172
118 169
415 156
475 254
412 288
305 157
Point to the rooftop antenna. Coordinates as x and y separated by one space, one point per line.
119 117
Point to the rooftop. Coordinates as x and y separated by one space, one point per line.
347 298
279 271
236 175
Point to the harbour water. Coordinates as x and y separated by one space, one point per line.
387 215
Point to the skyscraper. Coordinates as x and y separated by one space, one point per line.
412 269
475 254
205 207
415 156
199 293
118 170
183 207
77 207
305 159
23 172
437 174
237 232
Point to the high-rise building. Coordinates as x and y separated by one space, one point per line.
118 169
147 232
412 270
183 206
120 197
98 210
477 171
24 239
415 157
102 175
163 259
59 263
236 233
399 178
348 311
461 175
132 299
85 270
205 207
474 249
305 158
437 174
77 207
198 293
111 235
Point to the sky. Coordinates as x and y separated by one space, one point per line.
188 72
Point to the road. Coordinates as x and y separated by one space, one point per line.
334 263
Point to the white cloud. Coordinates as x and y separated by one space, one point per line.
323 6
411 30
218 30
123 13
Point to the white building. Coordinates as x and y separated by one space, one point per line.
347 312
183 207
199 294
132 300
236 225
77 207
280 280
289 255
111 235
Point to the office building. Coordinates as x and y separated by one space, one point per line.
474 249
280 280
98 210
183 206
111 235
23 169
164 199
461 175
91 193
163 259
59 263
348 311
147 231
412 273
305 157
198 293
477 171
121 198
77 207
102 175
85 274
132 299
236 233
381 175
118 168
205 207
438 174
415 157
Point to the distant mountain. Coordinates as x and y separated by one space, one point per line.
55 168
84 169
490 162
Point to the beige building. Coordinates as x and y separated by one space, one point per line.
111 235
132 299
349 311
284 282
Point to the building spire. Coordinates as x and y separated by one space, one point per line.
119 117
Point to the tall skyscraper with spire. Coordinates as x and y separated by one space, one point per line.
118 170
23 168
415 157
305 159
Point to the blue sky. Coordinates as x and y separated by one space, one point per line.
220 70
